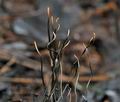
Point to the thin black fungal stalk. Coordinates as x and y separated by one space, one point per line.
36 47
62 92
42 76
69 94
61 71
49 16
61 62
77 78
90 77
48 31
76 62
88 83
85 49
76 86
89 43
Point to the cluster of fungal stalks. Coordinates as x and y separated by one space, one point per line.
53 92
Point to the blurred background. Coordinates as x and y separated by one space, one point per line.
24 21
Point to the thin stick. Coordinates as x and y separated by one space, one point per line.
21 80
6 67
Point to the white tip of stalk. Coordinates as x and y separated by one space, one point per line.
48 11
58 27
36 47
68 32
94 34
57 19
84 45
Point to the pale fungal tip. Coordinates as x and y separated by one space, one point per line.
48 11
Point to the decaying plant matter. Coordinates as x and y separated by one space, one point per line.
54 91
